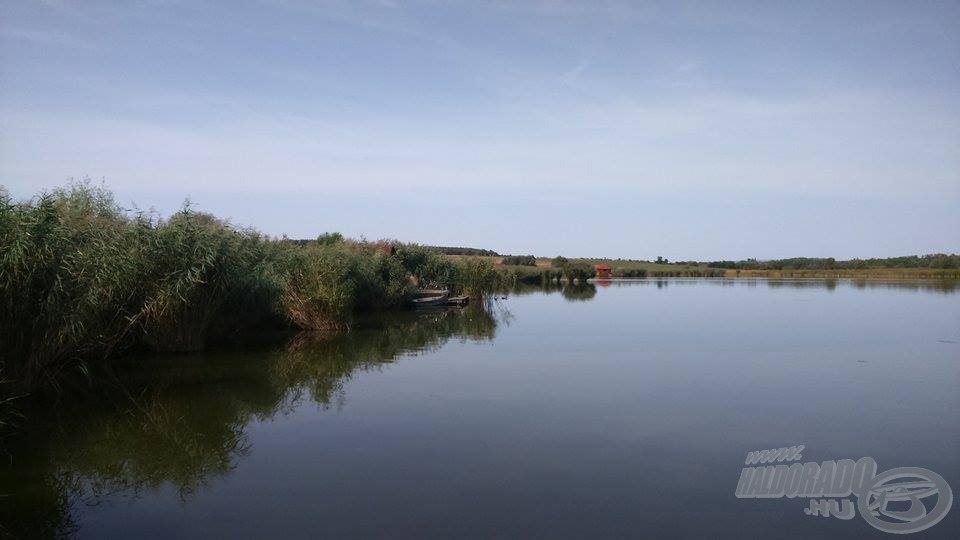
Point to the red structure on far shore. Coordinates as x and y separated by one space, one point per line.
603 271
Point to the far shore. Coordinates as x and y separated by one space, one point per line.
635 268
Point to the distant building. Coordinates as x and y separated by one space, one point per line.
387 248
603 271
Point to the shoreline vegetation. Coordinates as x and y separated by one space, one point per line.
84 281
545 268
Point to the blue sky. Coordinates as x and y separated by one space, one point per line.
692 130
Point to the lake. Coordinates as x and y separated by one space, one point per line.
619 409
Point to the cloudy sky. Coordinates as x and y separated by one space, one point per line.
692 130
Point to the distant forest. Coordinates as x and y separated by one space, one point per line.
934 260
332 238
446 250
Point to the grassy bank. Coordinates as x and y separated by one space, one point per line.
83 281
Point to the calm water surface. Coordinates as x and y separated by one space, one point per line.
619 410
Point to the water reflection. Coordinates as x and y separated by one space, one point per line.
944 286
575 292
579 293
178 422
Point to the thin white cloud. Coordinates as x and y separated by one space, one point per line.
372 99
831 144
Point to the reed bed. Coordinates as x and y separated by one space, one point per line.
83 281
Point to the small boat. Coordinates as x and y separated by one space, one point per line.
431 300
429 293
458 300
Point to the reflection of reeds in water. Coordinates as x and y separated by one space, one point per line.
164 439
183 424
579 292
320 363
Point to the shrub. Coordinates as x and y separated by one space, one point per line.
329 239
579 272
520 260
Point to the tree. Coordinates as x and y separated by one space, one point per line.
578 272
520 260
329 239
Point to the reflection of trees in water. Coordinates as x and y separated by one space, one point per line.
929 285
932 285
579 292
321 365
180 421
573 292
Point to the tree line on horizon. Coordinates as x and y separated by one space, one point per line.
474 252
932 260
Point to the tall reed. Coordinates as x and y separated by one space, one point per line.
326 283
69 280
476 276
82 280
204 279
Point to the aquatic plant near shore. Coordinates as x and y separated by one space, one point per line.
578 272
429 268
476 276
204 280
470 275
326 284
82 280
630 272
70 264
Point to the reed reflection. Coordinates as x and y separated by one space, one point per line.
179 421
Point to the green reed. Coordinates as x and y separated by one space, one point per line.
82 280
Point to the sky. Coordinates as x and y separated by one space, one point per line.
689 130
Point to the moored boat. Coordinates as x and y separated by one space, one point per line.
458 300
439 298
429 293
